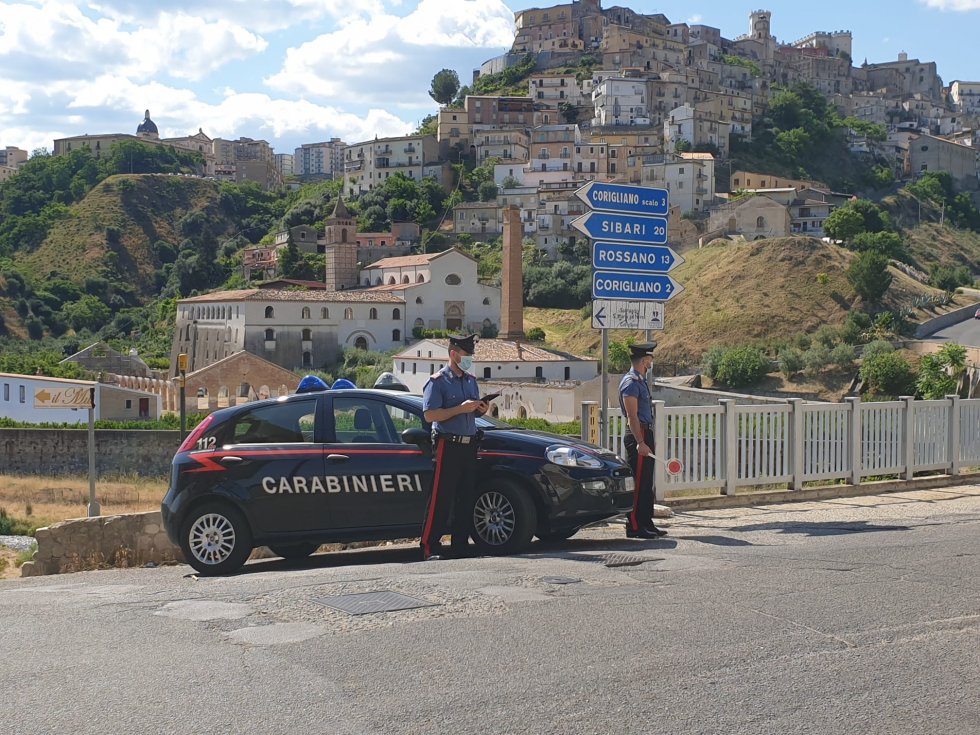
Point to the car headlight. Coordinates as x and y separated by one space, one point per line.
571 457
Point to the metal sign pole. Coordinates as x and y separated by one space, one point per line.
94 509
604 391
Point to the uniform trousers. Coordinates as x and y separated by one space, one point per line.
641 516
449 506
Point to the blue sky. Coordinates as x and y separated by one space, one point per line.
300 71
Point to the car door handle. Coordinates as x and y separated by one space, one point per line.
231 459
337 457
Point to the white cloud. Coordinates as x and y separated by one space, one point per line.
388 59
56 40
954 5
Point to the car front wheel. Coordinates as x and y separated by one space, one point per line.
215 539
504 517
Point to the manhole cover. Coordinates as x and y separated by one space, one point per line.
365 603
560 580
626 560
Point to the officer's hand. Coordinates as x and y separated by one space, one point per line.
643 450
471 406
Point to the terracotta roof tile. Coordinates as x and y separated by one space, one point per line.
405 260
359 295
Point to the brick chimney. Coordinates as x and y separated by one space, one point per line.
512 277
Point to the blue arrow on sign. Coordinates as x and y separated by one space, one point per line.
624 198
618 256
634 286
623 228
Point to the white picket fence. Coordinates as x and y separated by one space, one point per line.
730 445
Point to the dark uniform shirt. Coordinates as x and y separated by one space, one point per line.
634 384
445 390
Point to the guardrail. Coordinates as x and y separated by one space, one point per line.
731 445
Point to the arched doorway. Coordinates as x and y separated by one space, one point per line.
361 343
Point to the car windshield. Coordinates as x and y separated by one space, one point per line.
483 422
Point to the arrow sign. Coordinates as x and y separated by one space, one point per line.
623 198
609 314
635 286
634 258
623 228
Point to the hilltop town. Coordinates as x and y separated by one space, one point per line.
754 137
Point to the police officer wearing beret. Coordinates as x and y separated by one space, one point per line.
451 402
634 400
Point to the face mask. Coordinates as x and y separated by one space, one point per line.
465 363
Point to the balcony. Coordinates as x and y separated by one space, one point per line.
410 149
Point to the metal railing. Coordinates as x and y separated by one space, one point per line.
730 445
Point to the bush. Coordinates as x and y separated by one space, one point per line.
790 362
741 366
710 361
535 334
876 348
816 359
888 375
856 324
843 356
826 335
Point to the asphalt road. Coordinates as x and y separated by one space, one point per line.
966 332
852 616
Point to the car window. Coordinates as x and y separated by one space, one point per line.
362 420
280 423
402 418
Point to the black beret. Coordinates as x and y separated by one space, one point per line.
463 342
642 350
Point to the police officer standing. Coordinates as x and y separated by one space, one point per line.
634 400
451 402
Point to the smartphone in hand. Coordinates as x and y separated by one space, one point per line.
489 397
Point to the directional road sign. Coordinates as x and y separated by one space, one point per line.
64 397
610 314
635 286
623 228
624 198
619 256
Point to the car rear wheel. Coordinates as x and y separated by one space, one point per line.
215 539
294 551
504 517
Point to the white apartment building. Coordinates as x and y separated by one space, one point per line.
369 163
326 158
689 177
965 97
506 144
555 89
686 123
620 101
284 162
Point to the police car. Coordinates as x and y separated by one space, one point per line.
355 465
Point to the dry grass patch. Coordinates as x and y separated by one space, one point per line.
41 501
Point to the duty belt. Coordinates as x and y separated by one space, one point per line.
456 438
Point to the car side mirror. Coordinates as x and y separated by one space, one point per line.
418 437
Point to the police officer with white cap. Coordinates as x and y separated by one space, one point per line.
451 402
634 400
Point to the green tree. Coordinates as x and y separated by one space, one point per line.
939 373
428 125
289 258
888 375
741 366
843 224
888 244
487 191
89 312
445 85
619 355
869 276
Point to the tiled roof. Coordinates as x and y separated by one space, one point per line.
698 156
405 261
357 295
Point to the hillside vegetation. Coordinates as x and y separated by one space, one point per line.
765 292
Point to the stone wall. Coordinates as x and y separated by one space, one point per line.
65 452
120 541
946 320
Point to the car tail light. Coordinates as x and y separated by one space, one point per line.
192 438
